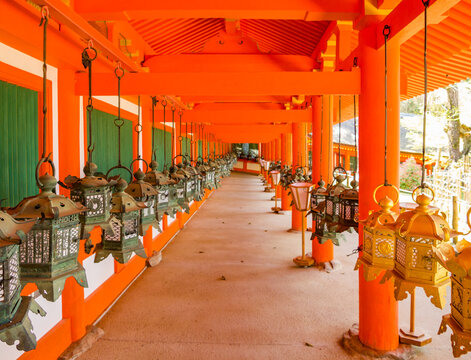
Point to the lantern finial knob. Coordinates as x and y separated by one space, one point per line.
90 168
321 183
47 182
121 185
354 184
139 175
386 203
423 200
154 165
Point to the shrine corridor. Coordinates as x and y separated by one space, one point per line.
266 308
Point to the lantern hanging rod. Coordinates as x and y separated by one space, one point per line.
89 54
386 33
426 5
174 101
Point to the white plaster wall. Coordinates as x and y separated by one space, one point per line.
97 273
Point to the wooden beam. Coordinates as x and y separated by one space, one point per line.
308 10
225 84
406 19
66 16
246 117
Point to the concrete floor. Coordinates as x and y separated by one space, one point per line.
265 309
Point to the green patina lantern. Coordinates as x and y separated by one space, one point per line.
211 182
163 185
332 202
15 325
48 255
144 192
124 239
93 191
180 188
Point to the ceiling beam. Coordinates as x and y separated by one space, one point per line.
406 19
224 84
247 117
308 10
66 16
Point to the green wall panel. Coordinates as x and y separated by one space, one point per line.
105 137
159 147
200 148
19 147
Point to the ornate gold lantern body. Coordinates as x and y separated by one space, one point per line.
124 239
49 254
417 233
459 320
15 325
144 192
379 239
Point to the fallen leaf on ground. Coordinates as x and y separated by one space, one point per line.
307 344
222 278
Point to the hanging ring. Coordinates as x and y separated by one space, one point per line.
119 71
118 167
140 159
386 31
43 160
164 103
173 108
89 53
138 128
426 3
339 168
180 138
386 185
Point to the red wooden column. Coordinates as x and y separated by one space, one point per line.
73 304
299 159
378 308
321 126
285 160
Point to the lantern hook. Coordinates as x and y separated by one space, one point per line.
385 186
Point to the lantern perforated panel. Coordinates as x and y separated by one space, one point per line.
96 203
116 234
401 251
35 249
67 242
130 228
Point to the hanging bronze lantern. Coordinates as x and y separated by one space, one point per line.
162 184
94 192
379 238
349 207
15 325
124 239
459 320
332 200
141 190
48 256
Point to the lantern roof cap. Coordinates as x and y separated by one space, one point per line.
384 217
458 264
122 202
139 188
46 204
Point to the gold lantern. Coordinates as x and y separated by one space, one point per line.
301 193
459 320
379 238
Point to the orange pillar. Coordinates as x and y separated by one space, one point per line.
73 304
321 164
299 159
378 307
286 157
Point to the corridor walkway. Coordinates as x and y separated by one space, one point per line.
266 308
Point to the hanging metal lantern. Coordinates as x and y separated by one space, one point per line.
124 239
49 254
15 325
143 192
94 192
332 201
417 232
379 238
210 176
162 184
349 207
180 187
459 320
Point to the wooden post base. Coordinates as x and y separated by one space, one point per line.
416 338
303 262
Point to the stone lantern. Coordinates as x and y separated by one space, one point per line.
124 239
15 325
48 255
